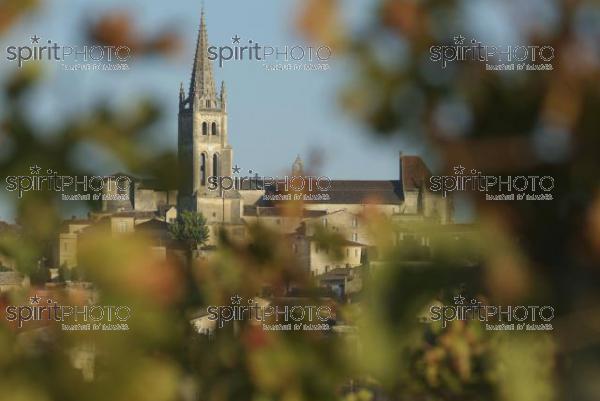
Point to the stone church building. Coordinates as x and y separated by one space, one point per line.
204 152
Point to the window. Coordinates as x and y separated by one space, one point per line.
325 222
122 227
216 165
203 169
208 104
204 128
214 129
354 222
355 237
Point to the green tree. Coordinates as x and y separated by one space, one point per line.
64 273
190 228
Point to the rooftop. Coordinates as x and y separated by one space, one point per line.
358 192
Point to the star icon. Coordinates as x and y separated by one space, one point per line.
459 300
459 40
35 299
236 299
35 170
459 169
35 39
236 39
236 169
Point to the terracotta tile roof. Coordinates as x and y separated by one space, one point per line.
343 242
136 214
273 211
153 224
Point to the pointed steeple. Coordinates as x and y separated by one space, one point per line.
298 167
223 96
202 84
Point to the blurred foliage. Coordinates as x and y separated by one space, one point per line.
530 253
117 29
530 123
12 10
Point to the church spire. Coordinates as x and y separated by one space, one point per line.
298 167
202 84
223 96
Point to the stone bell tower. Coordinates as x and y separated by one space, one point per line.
203 145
